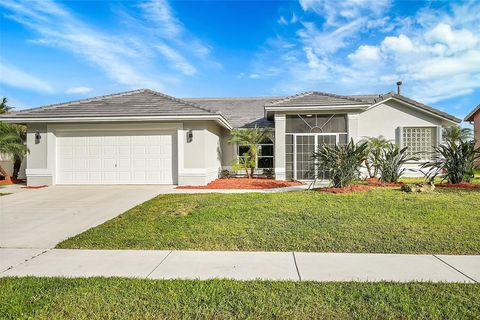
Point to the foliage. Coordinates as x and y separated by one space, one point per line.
454 161
4 107
245 163
457 133
250 137
375 145
341 162
268 173
391 162
225 174
12 143
444 222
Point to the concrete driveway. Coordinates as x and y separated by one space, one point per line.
44 217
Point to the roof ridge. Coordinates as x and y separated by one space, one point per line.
236 98
298 95
179 100
333 95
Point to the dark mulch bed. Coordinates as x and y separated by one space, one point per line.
245 183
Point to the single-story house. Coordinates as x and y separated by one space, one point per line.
474 118
146 137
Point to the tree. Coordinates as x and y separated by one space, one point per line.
12 143
250 137
457 133
4 107
375 145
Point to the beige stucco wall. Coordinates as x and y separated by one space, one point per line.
476 128
386 118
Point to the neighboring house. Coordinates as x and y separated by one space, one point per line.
145 137
474 118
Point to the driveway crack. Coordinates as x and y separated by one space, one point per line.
25 261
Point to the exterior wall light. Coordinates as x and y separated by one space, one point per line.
38 137
189 136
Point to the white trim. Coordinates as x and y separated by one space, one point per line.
328 107
411 105
38 172
220 119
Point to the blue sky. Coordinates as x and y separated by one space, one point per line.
59 51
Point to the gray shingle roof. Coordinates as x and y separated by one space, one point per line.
240 112
469 117
142 102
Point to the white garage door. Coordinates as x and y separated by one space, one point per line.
114 158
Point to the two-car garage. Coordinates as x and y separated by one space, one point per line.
135 157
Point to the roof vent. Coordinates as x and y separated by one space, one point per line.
399 84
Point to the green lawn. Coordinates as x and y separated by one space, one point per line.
379 220
3 194
116 298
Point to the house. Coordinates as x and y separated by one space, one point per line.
146 137
474 117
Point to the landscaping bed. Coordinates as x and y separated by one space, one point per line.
117 298
245 183
379 220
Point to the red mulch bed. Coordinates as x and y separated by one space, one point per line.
458 185
10 180
350 188
244 183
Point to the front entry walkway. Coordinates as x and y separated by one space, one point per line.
295 266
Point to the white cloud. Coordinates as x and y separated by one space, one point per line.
456 40
78 90
14 77
254 76
335 12
160 14
179 62
398 45
365 54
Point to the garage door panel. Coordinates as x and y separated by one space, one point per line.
114 158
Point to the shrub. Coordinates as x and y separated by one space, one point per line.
454 161
391 162
225 174
268 173
245 163
342 162
375 145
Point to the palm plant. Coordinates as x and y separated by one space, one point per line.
4 107
12 143
391 162
454 161
457 133
250 137
375 145
341 162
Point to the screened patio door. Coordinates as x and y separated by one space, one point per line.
304 146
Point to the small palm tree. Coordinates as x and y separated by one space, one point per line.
4 107
375 145
12 143
457 133
250 137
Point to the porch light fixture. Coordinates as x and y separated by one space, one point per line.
189 136
38 137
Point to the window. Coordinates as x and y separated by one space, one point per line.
316 123
420 141
265 154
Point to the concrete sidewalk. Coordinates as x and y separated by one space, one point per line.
296 266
